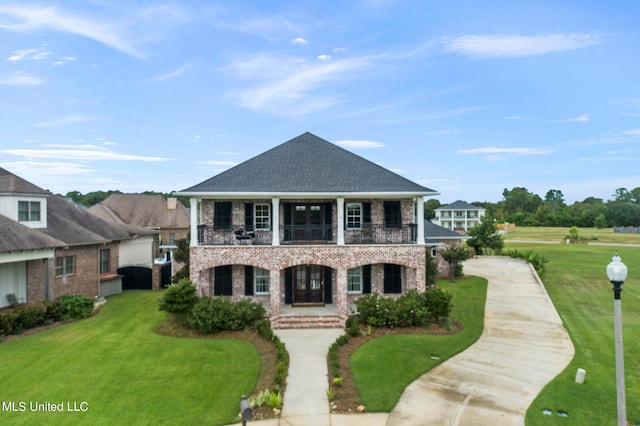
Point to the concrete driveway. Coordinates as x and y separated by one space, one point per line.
523 346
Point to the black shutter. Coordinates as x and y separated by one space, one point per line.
288 286
222 215
328 285
392 278
248 280
392 216
328 220
248 216
366 279
287 222
222 285
366 212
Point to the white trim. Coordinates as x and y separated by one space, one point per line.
306 195
21 256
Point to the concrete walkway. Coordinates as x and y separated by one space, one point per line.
523 346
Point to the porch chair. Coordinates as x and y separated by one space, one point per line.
13 300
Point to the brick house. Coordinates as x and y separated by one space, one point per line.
51 247
307 223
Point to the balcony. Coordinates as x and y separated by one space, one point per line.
307 234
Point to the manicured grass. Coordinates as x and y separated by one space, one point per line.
560 233
384 367
577 283
124 372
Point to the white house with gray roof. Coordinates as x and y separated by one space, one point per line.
458 216
307 223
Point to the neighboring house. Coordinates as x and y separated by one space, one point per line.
439 238
307 223
168 216
50 246
458 216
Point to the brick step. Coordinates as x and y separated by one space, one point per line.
307 321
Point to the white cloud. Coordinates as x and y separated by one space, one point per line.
38 18
634 132
360 144
509 45
34 54
219 163
81 152
299 40
290 86
584 118
499 150
62 121
324 57
33 169
19 79
172 74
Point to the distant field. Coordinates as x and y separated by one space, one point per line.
605 235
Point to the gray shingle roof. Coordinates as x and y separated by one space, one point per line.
436 232
18 237
308 164
141 210
12 184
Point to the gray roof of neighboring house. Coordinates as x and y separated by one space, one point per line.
460 205
436 232
12 184
308 164
142 210
18 237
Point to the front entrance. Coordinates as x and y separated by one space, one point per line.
307 284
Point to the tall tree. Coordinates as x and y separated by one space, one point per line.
485 237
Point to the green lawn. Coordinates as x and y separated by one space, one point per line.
560 233
577 282
384 367
124 373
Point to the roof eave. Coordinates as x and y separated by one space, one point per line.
285 195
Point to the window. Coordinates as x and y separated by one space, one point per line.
222 216
172 238
261 281
392 215
263 220
222 282
65 265
354 216
392 278
354 280
28 211
105 261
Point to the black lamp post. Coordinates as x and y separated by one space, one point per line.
617 272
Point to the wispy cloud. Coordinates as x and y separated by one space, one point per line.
19 79
38 18
360 144
510 45
299 40
35 168
501 150
63 121
290 86
634 132
33 54
429 115
172 74
81 152
219 163
584 118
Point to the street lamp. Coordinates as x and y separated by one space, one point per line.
617 272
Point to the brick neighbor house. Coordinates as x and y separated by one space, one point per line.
307 223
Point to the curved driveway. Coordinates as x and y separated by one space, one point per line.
523 346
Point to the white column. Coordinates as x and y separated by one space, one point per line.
193 204
420 219
340 221
275 221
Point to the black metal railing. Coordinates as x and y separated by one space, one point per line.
379 234
313 234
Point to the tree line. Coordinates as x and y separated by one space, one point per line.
524 208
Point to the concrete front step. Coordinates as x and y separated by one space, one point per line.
307 321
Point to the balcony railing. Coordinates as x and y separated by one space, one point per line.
314 234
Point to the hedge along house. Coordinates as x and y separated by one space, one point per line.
307 223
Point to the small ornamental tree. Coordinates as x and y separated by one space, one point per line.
485 237
454 256
179 299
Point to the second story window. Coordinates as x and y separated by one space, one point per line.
28 211
262 218
222 216
354 216
392 215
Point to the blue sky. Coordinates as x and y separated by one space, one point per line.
464 97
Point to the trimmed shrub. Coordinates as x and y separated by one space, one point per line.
54 311
210 315
7 322
29 316
352 326
179 299
77 306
